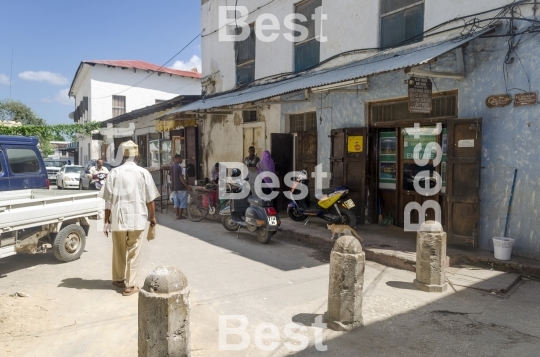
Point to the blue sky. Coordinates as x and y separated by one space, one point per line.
50 38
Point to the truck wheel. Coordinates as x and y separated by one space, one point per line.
264 235
69 243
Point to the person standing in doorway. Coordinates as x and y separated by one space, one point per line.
251 162
179 186
129 194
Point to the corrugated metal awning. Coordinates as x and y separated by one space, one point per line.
385 61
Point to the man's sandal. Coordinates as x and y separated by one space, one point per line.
130 291
119 283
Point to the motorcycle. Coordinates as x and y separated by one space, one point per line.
100 177
332 207
253 213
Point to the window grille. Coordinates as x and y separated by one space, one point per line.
308 52
249 116
118 105
303 122
402 22
443 107
245 57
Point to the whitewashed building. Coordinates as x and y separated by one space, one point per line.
107 89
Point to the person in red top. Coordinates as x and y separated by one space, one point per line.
179 187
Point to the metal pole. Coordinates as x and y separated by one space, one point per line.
510 204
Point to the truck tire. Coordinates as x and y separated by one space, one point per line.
69 243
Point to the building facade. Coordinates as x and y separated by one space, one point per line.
355 81
107 89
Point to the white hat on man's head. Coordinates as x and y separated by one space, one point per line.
129 149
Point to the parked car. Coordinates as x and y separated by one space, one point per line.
53 167
69 176
21 164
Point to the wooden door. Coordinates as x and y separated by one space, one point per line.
337 158
306 158
282 150
463 181
348 165
355 169
191 137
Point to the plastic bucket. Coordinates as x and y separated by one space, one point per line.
502 247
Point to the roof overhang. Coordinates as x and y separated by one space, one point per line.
342 76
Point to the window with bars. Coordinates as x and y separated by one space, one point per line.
402 22
245 57
443 107
303 122
118 105
249 116
308 52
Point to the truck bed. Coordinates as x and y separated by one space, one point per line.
30 208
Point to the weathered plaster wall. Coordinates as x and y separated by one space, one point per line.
510 135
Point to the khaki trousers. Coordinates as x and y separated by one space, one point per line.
125 256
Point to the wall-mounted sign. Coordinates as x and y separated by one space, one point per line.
496 101
420 95
355 143
523 99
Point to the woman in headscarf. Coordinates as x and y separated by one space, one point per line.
263 167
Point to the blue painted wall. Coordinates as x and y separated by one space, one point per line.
510 135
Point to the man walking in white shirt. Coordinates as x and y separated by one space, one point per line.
129 193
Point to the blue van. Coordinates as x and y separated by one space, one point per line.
21 165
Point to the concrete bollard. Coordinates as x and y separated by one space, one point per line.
164 314
347 264
431 258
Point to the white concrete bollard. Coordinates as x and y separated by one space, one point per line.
164 314
347 264
431 258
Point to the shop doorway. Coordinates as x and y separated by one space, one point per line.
392 152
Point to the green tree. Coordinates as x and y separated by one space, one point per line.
13 110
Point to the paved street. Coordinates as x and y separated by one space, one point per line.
73 310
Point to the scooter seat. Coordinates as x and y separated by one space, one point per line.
257 201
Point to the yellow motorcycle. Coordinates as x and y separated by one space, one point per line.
333 207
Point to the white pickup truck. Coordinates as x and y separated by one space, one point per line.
33 221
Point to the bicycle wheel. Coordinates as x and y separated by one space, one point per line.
198 207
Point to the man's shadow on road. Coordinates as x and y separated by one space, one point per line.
84 284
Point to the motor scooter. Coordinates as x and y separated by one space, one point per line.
253 213
332 206
100 180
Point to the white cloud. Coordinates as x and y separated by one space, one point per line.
4 79
194 62
60 97
44 76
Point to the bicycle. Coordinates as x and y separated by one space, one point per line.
203 203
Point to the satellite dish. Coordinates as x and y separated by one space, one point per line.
72 115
